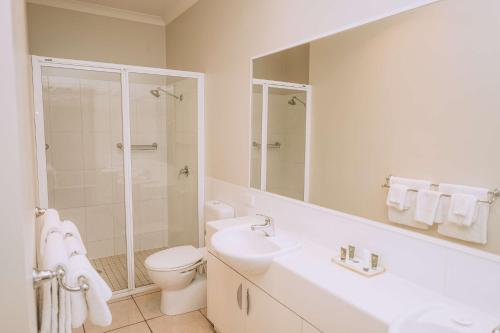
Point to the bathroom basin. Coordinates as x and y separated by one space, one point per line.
442 319
250 251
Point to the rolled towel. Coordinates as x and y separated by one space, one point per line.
462 209
74 246
51 223
69 229
426 206
95 300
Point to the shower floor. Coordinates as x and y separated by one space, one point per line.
113 269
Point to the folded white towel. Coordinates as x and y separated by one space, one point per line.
51 223
397 196
426 206
406 216
462 209
478 230
95 300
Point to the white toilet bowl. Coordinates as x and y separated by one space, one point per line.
174 270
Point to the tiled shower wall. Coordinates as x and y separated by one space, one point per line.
83 124
286 125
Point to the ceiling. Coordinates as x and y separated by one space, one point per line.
163 11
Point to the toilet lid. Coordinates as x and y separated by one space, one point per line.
173 257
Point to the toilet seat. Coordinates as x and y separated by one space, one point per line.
174 259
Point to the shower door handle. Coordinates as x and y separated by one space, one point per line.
238 296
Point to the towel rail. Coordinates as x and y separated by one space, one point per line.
41 276
269 145
153 146
492 194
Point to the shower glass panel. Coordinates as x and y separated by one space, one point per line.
164 152
256 150
82 115
286 137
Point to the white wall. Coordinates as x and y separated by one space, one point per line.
17 240
62 33
222 45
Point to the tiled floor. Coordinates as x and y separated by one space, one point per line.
141 314
113 269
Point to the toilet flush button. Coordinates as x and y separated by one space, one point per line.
463 320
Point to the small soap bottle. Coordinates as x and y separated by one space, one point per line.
366 260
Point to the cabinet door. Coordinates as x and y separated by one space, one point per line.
266 315
224 297
308 328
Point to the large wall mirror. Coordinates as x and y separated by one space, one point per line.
415 95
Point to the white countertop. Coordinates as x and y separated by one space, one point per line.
326 294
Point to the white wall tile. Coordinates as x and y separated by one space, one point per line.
98 188
99 249
99 223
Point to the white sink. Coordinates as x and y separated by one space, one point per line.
442 319
250 251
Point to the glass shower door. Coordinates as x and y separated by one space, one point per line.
82 116
164 152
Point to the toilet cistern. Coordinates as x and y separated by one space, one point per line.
267 228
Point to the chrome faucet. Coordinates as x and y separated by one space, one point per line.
267 228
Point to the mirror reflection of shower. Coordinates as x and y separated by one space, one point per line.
156 93
294 99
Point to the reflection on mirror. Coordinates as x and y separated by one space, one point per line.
415 95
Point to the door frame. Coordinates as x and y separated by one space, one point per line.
38 62
266 84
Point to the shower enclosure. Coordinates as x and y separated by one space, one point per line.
280 138
119 153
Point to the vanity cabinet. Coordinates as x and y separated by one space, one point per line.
235 305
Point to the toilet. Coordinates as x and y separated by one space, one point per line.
178 271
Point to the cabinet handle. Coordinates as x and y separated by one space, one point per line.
248 302
238 296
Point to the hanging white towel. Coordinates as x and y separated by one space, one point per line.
478 230
51 223
55 256
69 230
426 206
397 196
406 217
462 209
74 246
95 300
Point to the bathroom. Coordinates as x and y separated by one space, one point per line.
208 157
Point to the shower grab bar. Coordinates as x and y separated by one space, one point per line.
153 146
493 194
269 145
40 276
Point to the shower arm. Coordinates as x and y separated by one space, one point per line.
180 97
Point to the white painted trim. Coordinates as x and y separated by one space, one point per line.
353 25
175 11
201 161
127 174
96 9
307 153
41 161
281 84
263 139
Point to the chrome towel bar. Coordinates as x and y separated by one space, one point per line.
41 276
269 145
153 146
493 194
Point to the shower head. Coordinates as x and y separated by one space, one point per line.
292 101
156 93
